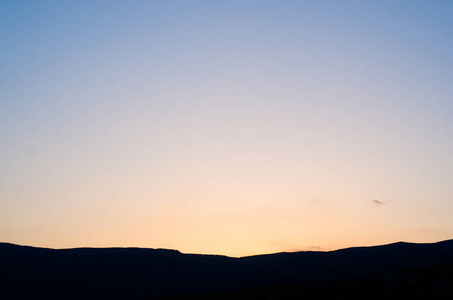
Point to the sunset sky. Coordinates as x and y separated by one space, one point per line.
226 127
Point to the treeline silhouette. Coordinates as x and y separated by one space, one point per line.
399 269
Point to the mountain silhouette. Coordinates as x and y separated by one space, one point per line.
138 273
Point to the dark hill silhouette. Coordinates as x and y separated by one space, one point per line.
135 273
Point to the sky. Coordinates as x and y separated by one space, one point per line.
226 127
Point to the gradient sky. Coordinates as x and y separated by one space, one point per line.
226 127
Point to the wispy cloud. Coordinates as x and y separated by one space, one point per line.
317 248
381 202
378 202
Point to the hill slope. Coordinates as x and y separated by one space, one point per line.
135 273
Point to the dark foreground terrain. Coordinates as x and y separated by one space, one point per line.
424 283
392 271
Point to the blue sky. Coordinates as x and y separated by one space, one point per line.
231 127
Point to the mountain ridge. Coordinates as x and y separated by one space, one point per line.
399 243
141 273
